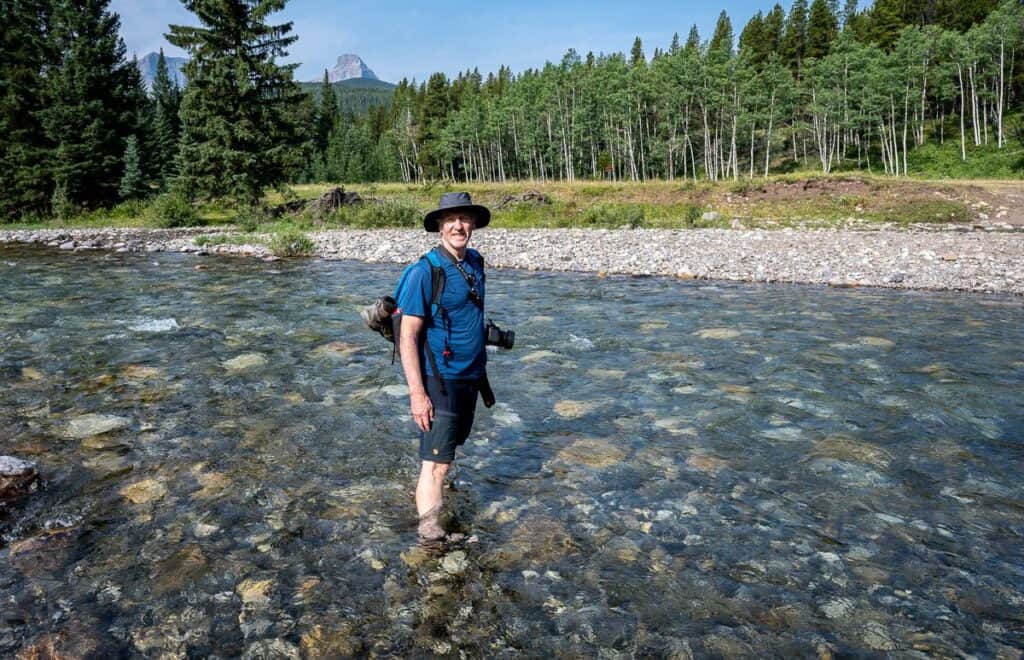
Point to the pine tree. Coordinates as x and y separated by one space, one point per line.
753 45
327 114
137 121
772 29
239 113
25 182
692 40
674 47
794 40
722 40
87 97
132 184
636 55
821 29
166 127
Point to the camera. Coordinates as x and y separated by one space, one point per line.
495 336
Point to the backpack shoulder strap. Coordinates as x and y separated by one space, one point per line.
437 279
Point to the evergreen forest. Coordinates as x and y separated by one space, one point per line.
814 87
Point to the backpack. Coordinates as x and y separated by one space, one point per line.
384 316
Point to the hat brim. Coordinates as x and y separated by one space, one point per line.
482 213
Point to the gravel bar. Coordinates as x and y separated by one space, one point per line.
961 258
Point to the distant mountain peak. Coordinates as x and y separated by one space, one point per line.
350 66
175 66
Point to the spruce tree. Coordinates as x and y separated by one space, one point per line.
327 114
636 55
132 184
87 97
166 127
239 113
753 45
772 29
821 29
692 40
722 40
25 183
794 39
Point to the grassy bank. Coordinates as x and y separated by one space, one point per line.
795 200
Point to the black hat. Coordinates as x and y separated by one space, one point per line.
456 201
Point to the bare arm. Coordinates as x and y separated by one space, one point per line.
419 403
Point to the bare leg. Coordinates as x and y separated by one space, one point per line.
429 498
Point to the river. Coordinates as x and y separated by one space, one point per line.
673 469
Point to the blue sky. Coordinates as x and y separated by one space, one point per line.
415 39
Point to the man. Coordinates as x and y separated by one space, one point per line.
443 354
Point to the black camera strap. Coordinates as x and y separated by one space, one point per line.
470 280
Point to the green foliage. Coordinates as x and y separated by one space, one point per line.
241 111
172 210
377 215
614 216
132 185
90 101
250 218
25 179
292 243
166 125
692 215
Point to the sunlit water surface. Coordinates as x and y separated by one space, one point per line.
673 468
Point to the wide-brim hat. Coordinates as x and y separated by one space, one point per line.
456 201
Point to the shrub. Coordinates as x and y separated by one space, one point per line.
612 216
173 210
292 243
388 214
692 215
249 218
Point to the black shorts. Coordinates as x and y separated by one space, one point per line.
453 418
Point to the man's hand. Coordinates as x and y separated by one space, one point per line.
422 410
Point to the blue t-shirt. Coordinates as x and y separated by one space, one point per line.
462 332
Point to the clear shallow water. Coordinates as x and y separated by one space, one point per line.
673 468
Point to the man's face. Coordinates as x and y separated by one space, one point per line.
456 228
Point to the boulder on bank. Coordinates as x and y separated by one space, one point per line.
17 478
332 200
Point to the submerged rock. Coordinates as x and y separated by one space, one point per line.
17 478
272 649
573 409
592 452
144 492
245 362
95 424
718 333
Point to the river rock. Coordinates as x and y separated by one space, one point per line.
272 649
330 639
95 424
592 452
144 492
245 362
574 409
17 478
718 333
255 591
875 636
455 563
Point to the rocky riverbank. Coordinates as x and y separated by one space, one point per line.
961 258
